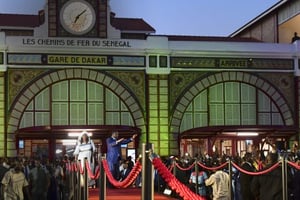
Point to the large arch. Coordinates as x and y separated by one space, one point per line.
215 78
33 88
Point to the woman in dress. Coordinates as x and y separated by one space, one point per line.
85 149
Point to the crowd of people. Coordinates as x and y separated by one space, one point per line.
39 179
215 184
34 179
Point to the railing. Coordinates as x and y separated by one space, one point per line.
79 176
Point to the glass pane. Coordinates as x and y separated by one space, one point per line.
60 91
126 119
232 114
216 114
248 114
111 101
248 93
216 93
42 118
277 119
200 119
200 102
113 118
77 113
27 120
30 106
232 92
274 108
187 122
264 103
60 113
42 100
78 90
264 118
95 91
123 107
95 114
190 108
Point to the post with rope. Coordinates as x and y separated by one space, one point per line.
284 177
230 178
85 179
174 166
78 181
147 173
73 180
197 175
102 179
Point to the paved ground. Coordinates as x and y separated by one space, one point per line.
125 194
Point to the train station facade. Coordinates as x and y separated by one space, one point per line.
68 70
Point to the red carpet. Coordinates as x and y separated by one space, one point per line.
125 194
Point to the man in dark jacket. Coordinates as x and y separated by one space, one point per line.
268 186
245 179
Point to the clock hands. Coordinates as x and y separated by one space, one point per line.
77 17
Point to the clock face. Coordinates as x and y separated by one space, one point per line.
77 17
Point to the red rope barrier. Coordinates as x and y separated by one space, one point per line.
212 168
128 180
90 173
75 167
71 167
80 168
174 183
295 165
255 173
171 168
184 169
68 167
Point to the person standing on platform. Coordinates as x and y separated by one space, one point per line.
85 149
114 151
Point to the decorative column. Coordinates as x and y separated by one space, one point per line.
158 113
2 116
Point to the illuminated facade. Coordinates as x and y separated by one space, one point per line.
100 73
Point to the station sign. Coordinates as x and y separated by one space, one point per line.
75 60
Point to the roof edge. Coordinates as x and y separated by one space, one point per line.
263 14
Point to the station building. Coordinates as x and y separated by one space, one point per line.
75 66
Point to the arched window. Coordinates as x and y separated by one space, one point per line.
76 102
230 103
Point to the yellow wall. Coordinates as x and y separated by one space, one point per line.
2 116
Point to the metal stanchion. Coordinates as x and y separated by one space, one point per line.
284 177
147 173
197 175
174 166
71 185
78 183
102 180
85 179
230 179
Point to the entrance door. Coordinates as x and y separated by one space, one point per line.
34 148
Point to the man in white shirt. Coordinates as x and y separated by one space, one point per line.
220 185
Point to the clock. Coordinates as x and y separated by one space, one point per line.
77 17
